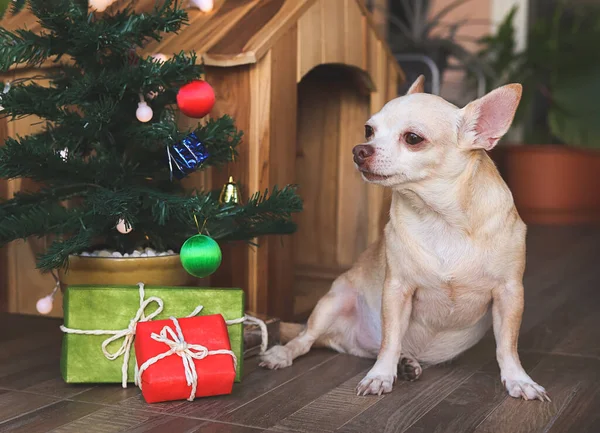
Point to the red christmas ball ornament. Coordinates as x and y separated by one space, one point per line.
196 99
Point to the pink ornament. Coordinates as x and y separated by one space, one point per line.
44 305
123 227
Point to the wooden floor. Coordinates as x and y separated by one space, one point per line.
559 345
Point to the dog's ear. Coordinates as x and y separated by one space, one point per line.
485 120
418 86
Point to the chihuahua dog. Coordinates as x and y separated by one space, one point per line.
452 257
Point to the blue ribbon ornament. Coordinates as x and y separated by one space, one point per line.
186 156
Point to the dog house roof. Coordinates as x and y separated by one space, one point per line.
236 32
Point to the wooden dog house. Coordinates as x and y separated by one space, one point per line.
300 77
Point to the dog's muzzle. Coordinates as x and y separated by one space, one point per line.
362 152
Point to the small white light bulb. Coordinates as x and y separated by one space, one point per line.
100 5
44 305
203 5
144 112
160 57
64 154
123 227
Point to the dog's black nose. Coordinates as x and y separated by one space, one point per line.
362 152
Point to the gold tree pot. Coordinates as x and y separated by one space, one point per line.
153 271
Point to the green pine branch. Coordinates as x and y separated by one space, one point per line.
150 212
70 31
23 47
23 200
39 157
113 166
33 157
220 138
36 220
104 92
57 253
263 214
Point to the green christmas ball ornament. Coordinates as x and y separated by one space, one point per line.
200 256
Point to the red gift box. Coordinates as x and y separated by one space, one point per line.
165 379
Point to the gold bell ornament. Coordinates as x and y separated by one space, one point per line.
230 194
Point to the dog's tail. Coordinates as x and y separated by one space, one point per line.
289 331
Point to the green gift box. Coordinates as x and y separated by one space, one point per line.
111 309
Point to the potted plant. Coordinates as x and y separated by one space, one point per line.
553 171
110 155
415 29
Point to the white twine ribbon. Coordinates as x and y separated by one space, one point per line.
264 333
128 334
187 351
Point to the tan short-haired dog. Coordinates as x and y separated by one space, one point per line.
452 257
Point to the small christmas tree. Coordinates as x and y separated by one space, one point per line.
99 165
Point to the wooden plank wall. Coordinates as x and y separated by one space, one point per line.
282 171
342 214
331 32
232 88
333 229
380 18
262 99
271 143
21 285
4 255
362 47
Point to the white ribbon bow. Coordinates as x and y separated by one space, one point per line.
127 334
188 352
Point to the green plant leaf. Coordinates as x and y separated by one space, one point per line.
574 113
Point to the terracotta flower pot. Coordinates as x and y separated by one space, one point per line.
160 270
552 184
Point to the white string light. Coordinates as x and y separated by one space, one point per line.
100 5
204 5
44 305
143 113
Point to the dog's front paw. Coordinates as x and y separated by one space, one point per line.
526 389
276 357
376 384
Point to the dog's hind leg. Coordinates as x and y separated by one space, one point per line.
289 331
340 302
409 369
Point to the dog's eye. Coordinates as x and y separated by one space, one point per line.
412 138
369 132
